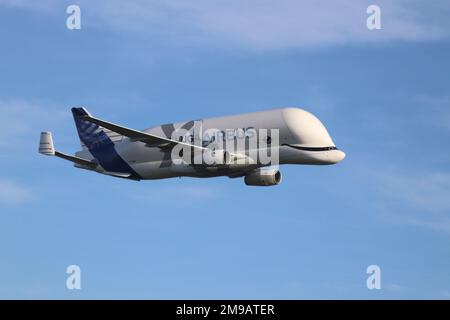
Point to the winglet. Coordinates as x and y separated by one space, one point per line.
46 144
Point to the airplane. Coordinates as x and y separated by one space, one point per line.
183 149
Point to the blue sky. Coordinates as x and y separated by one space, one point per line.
383 95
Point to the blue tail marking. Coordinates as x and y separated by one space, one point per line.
100 145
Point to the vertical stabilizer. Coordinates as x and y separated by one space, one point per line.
92 135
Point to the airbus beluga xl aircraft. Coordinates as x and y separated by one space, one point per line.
249 145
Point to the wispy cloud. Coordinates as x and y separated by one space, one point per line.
263 24
393 287
427 191
20 128
29 4
418 199
177 194
434 110
435 223
444 294
13 193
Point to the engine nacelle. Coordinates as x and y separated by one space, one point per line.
263 178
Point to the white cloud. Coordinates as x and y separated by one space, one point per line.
13 193
435 223
418 199
179 195
263 24
296 24
393 287
45 5
20 128
434 110
444 294
428 191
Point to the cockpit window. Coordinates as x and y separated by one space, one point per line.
312 148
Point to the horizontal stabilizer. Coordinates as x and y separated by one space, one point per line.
121 175
117 174
46 147
76 160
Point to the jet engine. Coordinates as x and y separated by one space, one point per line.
262 177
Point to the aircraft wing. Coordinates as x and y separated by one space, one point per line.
136 135
150 139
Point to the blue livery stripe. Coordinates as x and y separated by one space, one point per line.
100 145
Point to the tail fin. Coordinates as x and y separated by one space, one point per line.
99 143
92 135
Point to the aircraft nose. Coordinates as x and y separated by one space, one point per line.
335 156
340 155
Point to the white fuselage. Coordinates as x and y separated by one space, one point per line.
303 139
